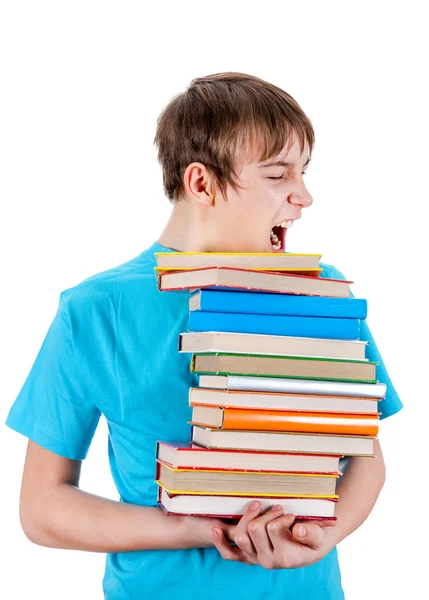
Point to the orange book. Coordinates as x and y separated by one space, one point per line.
281 420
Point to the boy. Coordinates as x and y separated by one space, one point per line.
233 150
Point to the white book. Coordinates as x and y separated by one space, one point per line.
281 401
293 386
313 443
279 345
236 506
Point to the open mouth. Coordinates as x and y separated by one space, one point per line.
278 236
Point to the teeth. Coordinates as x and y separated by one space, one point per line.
286 224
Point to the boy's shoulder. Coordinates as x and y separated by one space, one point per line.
136 274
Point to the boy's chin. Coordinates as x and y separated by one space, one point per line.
254 247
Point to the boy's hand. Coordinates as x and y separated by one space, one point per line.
268 540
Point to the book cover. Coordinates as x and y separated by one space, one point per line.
254 365
280 345
244 494
281 441
233 507
280 420
228 482
273 401
276 261
189 455
231 471
247 280
313 327
277 304
293 386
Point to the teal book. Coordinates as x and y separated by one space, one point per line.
256 303
315 327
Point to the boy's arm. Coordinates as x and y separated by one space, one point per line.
54 512
358 490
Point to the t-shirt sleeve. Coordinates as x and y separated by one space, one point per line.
54 407
391 403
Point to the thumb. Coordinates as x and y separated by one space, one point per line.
309 534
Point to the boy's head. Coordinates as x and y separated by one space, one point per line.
233 149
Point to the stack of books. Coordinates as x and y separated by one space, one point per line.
284 392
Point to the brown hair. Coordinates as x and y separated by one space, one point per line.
217 117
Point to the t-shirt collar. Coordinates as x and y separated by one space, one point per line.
157 247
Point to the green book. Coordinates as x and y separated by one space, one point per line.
295 367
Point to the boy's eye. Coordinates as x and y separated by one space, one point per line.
283 176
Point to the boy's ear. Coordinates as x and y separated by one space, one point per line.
199 184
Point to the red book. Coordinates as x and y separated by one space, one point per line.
245 279
188 455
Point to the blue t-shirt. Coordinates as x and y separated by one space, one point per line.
112 350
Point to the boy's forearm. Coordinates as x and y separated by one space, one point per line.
358 490
76 520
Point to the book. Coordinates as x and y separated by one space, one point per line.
230 278
293 386
188 455
311 443
314 327
230 507
274 401
283 366
275 261
236 482
221 417
280 345
278 304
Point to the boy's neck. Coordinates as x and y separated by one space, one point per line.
184 230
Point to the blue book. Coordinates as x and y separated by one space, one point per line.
316 327
277 304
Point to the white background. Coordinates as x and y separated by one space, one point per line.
82 84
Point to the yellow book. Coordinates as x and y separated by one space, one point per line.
243 494
307 264
245 483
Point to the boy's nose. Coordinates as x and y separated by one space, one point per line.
302 198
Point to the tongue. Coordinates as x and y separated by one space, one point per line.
279 232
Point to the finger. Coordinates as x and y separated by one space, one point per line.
258 531
279 532
309 534
225 549
241 534
253 511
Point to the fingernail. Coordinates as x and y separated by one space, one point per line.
277 507
215 534
301 531
255 505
